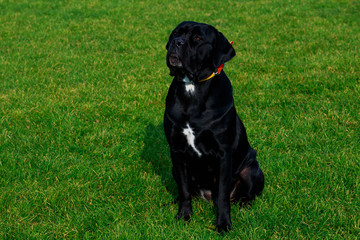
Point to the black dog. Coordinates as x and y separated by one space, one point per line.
210 153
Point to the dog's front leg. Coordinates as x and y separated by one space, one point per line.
181 176
223 219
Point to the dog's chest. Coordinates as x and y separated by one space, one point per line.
188 131
190 138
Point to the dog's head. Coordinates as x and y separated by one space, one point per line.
196 50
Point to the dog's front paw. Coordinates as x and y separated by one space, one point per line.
223 224
184 213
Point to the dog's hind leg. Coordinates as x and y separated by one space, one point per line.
249 184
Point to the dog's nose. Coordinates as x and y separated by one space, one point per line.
179 42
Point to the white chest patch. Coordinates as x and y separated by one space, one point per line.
189 85
190 137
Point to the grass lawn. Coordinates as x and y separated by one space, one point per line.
82 93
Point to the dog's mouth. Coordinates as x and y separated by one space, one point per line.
174 60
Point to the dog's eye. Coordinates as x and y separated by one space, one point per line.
174 33
197 38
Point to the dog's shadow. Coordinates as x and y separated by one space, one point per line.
156 152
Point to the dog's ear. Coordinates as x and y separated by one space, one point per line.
223 50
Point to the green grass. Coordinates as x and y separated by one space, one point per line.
82 91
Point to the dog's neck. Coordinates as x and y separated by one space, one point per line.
190 85
213 74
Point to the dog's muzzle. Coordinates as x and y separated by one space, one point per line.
174 60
